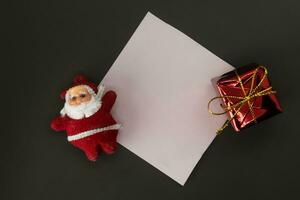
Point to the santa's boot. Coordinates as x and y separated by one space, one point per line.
91 154
109 147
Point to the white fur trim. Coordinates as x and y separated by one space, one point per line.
100 93
93 131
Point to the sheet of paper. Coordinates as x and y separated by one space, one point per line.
163 81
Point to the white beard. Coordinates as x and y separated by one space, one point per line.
85 109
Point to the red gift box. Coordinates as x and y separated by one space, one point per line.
247 96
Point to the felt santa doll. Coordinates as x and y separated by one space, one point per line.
86 118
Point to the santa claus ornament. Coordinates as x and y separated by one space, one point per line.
86 118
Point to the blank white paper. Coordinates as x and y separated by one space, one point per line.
163 82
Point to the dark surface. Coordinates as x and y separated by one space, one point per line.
47 42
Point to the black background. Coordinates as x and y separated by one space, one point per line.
47 42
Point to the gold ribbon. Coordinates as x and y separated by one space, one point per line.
253 93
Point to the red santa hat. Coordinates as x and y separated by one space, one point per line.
79 80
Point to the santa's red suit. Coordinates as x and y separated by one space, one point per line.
92 133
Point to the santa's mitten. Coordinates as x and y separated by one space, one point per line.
108 100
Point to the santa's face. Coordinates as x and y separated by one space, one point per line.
78 94
81 101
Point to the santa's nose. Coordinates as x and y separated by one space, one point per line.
78 101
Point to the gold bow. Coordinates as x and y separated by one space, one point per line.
253 93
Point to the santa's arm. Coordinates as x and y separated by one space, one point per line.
59 123
108 100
